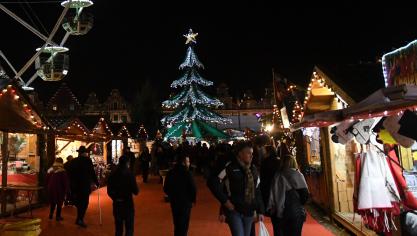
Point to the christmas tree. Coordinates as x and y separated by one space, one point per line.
192 106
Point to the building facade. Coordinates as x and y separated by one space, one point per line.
65 104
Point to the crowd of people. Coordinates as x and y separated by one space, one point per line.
249 181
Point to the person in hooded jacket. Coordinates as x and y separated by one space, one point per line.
289 193
57 184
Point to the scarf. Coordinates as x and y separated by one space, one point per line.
250 184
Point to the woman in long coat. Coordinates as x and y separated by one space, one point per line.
57 184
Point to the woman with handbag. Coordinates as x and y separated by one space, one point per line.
289 193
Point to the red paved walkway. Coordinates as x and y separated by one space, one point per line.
152 216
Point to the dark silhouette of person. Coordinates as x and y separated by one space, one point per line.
121 186
181 190
145 159
84 177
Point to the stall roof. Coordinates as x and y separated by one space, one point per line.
73 126
321 92
78 128
124 129
90 121
18 114
102 129
384 102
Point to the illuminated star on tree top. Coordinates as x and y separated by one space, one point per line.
191 37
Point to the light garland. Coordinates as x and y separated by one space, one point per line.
191 113
387 56
189 77
321 81
104 126
10 90
124 130
193 96
191 60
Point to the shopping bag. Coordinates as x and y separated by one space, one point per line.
263 231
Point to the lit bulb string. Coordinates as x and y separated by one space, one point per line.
193 96
322 82
169 134
191 60
192 113
191 76
75 124
124 130
386 56
12 91
103 125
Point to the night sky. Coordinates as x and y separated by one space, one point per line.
238 43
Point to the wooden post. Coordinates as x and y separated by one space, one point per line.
328 169
5 161
43 148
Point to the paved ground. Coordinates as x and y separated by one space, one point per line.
152 216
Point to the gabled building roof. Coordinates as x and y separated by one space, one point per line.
63 95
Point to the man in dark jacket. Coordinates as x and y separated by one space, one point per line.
238 190
83 176
181 190
269 168
121 185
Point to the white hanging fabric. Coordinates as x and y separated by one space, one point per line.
377 187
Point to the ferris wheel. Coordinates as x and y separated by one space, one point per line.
51 59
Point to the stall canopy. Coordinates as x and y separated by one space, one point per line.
121 130
322 101
321 93
102 129
87 129
18 114
72 126
198 130
384 102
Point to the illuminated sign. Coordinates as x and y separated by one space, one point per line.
284 116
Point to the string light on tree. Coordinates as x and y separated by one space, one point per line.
192 103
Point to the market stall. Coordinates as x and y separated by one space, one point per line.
23 160
316 151
127 135
357 135
71 133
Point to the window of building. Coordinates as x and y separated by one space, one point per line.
55 107
124 118
115 106
116 117
71 107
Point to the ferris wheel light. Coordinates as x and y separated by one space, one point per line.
77 3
